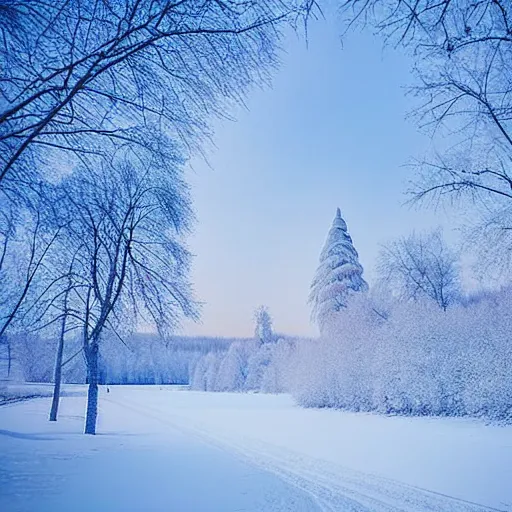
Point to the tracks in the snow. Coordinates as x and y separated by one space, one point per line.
334 488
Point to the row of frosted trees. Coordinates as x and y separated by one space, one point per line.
415 346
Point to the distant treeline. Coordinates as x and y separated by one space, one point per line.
138 359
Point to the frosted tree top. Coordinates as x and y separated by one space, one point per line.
339 273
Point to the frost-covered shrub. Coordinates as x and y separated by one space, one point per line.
212 362
247 366
278 373
415 360
198 375
257 365
312 387
233 367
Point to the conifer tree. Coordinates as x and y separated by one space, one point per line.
339 273
263 329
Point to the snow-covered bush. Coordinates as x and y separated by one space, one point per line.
257 366
247 366
279 372
233 368
415 360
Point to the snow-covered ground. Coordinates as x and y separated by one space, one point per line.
165 449
11 391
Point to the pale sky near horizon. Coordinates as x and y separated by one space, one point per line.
330 132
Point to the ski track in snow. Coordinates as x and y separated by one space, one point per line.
334 488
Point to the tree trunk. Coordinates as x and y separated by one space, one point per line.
58 372
92 393
9 358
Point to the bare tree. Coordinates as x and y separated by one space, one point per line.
24 255
462 51
7 232
421 266
126 223
433 26
81 80
59 362
492 236
77 72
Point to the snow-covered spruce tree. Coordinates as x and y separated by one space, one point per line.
263 328
338 275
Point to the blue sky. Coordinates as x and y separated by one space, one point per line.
332 131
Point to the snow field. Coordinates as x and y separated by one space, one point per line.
161 448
